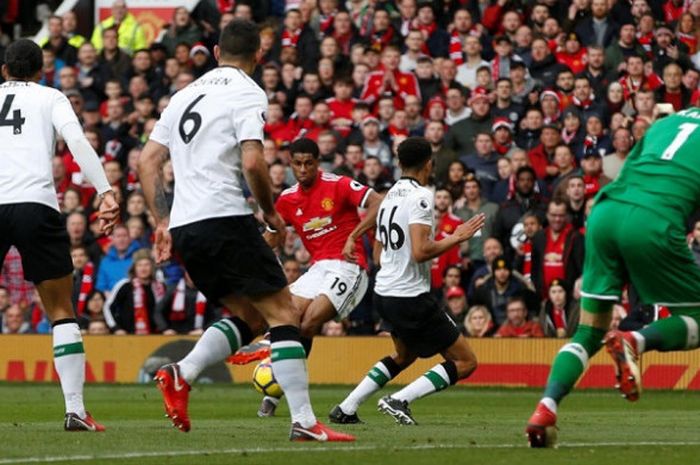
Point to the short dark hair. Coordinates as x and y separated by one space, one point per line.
23 59
525 169
304 146
240 38
414 152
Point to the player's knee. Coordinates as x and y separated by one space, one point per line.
402 360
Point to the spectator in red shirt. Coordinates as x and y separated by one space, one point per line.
517 324
572 54
390 81
592 170
542 156
446 224
673 91
557 251
636 80
559 315
341 105
300 122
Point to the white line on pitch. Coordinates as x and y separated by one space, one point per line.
322 448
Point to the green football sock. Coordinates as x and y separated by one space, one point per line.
571 361
673 333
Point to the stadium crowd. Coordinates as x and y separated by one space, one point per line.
530 107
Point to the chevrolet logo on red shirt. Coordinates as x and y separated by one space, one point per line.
317 223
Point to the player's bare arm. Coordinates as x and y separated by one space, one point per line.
256 175
423 248
365 225
151 174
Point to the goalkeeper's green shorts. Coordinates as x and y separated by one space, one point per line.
629 243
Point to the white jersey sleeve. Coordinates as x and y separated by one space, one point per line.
62 113
161 130
421 209
249 120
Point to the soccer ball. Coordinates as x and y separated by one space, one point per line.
264 380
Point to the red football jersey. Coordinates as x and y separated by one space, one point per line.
445 227
325 215
406 83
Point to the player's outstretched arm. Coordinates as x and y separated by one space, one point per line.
258 179
424 248
89 163
363 226
151 175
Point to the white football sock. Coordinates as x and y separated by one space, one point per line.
289 367
377 377
550 404
218 342
435 379
69 358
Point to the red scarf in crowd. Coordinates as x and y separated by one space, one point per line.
690 40
559 317
455 48
290 39
585 104
646 41
132 180
326 22
566 137
502 149
344 41
177 310
86 285
427 31
527 259
142 324
496 68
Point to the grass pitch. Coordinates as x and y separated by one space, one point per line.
460 425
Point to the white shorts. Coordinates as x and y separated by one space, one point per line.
342 282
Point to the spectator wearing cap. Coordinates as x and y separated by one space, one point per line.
523 84
551 106
466 72
595 70
542 156
202 62
504 106
572 54
668 49
457 108
544 67
436 109
592 171
484 162
462 134
622 143
517 323
180 30
390 81
372 144
557 250
500 286
456 305
526 197
437 40
443 156
128 30
598 29
299 36
672 91
502 132
627 45
470 204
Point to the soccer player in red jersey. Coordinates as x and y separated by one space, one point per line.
322 209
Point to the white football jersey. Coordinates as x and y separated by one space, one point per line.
203 127
406 203
30 117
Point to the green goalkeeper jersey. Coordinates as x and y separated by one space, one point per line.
662 172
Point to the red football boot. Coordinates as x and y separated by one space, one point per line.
251 353
542 428
318 432
73 422
176 393
622 347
